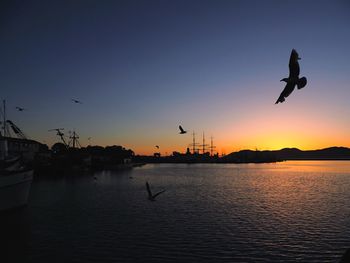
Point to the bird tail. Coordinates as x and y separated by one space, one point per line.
301 83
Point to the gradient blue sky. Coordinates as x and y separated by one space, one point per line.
141 68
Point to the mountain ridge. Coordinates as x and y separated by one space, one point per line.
330 153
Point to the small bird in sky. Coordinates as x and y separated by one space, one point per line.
77 101
182 131
157 146
152 197
20 109
293 79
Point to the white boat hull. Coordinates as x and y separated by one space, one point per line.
14 189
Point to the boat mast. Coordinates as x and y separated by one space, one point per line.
212 147
194 144
204 146
74 140
4 118
3 143
74 137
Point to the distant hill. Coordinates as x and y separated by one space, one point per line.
332 153
248 156
245 156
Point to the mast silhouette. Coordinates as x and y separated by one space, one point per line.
74 140
204 146
194 144
212 147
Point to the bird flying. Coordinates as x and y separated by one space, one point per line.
293 79
157 146
20 109
77 101
182 131
152 197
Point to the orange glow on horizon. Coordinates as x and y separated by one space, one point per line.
266 144
265 129
274 141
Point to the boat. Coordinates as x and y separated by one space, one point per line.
15 180
16 174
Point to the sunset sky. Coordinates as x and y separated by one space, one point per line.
141 68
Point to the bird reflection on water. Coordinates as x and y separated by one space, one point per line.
215 213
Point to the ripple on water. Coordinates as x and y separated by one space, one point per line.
289 212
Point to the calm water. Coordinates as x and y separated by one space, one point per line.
286 212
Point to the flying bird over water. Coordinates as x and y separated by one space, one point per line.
20 109
293 79
77 101
182 131
152 197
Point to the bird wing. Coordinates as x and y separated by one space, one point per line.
154 196
182 130
286 92
148 190
301 83
294 69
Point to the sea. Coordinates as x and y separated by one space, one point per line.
294 211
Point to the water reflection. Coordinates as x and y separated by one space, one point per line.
316 166
283 212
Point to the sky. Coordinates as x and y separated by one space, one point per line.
142 68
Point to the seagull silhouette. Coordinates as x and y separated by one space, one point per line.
77 101
152 197
157 146
293 79
20 109
182 131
